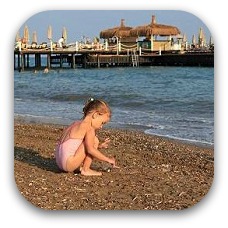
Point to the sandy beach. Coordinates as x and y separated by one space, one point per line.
155 173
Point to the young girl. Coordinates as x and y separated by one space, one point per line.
78 145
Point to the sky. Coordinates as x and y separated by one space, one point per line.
89 23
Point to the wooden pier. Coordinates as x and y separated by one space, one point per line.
40 59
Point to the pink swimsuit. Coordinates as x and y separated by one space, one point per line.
66 149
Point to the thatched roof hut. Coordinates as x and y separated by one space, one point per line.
119 31
154 29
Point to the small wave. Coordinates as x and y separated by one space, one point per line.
138 125
70 97
194 141
18 99
41 119
151 126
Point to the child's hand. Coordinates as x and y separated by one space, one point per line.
113 163
105 143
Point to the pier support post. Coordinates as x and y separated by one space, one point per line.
61 61
48 61
27 61
40 60
36 61
85 61
73 61
19 61
22 68
98 61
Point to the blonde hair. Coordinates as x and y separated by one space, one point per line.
96 105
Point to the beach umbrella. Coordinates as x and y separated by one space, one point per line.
49 32
184 38
194 39
34 37
211 42
154 29
200 37
118 31
26 35
64 34
18 37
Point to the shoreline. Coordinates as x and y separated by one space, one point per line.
156 173
31 120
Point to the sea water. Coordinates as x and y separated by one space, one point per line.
175 102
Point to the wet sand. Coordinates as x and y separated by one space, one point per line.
155 173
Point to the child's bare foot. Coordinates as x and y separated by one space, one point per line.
90 172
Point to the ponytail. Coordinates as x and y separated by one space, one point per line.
95 105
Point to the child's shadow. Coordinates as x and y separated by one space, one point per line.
34 158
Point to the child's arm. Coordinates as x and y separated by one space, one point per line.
89 144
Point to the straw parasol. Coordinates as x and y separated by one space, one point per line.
49 32
18 37
211 42
155 29
34 37
185 38
193 39
119 31
26 35
201 38
64 34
